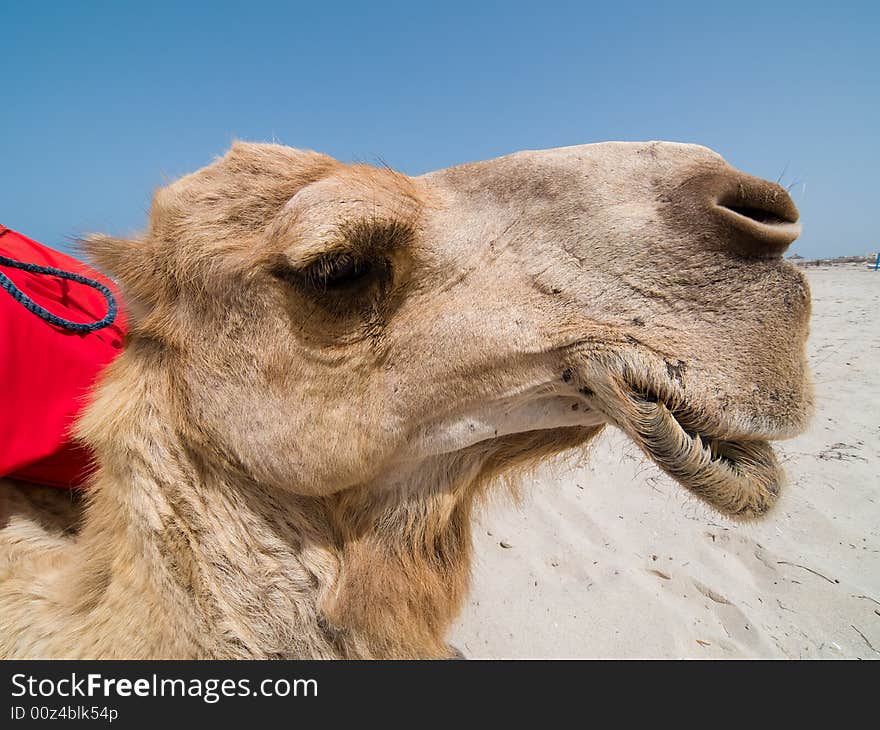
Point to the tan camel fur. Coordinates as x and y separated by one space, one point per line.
329 364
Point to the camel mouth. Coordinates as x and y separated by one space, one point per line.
738 476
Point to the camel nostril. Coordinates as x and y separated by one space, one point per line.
757 214
729 210
760 216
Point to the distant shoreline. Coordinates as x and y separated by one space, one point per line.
836 261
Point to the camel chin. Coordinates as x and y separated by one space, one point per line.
738 477
728 462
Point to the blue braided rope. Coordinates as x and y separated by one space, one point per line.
44 314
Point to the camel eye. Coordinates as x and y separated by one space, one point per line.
340 271
337 279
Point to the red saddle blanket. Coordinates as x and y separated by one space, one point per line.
47 369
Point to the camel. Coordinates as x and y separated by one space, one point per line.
331 365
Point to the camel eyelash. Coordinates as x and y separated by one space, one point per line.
363 255
371 237
339 280
339 271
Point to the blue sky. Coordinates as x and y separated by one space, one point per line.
102 102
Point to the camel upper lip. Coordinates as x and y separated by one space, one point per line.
737 474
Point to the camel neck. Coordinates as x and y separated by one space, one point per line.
225 567
198 560
232 573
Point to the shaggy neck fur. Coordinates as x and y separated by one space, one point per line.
178 557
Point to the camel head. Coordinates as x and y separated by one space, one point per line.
325 327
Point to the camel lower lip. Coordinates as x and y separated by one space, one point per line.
740 478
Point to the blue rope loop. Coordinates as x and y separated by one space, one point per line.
44 314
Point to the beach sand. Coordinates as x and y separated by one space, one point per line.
610 558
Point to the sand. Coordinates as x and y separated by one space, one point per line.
610 558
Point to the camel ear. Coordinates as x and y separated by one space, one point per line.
205 219
232 200
113 256
129 262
